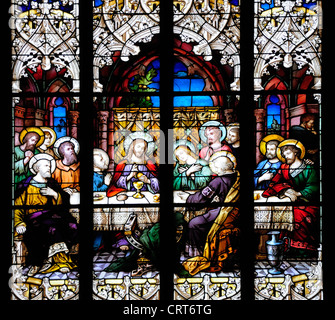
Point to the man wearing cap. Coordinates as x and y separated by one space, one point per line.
43 220
67 171
267 168
298 181
30 139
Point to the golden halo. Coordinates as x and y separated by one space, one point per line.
32 129
218 154
52 133
290 142
265 140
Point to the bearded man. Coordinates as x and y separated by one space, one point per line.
30 138
136 166
42 219
298 181
67 171
212 235
266 169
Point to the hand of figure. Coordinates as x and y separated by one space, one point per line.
124 248
194 168
309 161
181 169
133 172
108 179
28 155
70 191
144 178
49 192
183 195
292 194
266 176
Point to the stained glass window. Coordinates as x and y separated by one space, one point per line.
46 150
126 153
145 138
206 177
288 193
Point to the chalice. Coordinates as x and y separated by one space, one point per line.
138 186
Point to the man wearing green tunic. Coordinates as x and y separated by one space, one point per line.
300 183
295 179
30 138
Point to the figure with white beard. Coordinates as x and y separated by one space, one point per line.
42 219
67 171
267 168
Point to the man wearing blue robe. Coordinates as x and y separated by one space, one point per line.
267 168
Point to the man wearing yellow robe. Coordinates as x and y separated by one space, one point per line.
42 219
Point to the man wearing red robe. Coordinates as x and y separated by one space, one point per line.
299 182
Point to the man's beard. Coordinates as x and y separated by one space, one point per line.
270 156
289 160
71 159
46 175
139 155
30 146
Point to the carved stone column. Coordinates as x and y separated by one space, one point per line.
73 123
39 117
229 115
29 117
102 117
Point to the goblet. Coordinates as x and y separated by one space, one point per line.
138 186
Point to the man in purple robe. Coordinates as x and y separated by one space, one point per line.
216 191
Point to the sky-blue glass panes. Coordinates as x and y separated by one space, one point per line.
59 118
98 3
267 6
182 82
155 101
273 115
192 101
